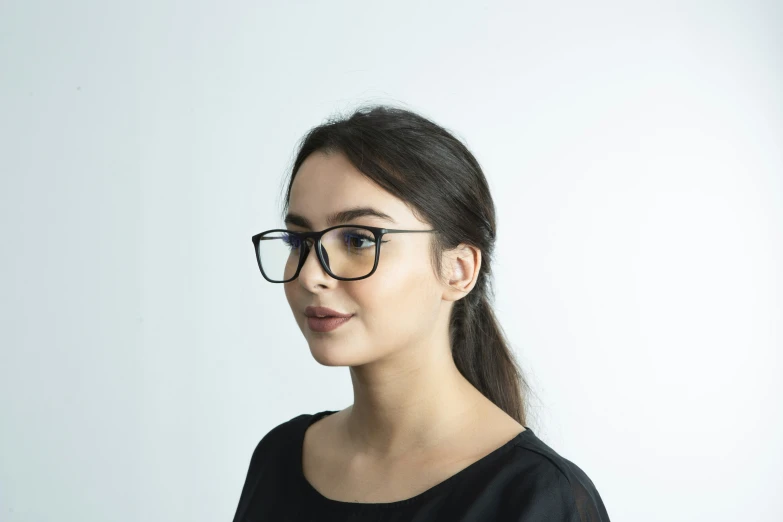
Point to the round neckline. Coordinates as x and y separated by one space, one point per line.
437 488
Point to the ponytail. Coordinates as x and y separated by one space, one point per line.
482 354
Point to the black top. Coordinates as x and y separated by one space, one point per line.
522 481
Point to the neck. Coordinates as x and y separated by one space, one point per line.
409 402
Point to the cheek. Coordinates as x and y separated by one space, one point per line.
399 296
289 290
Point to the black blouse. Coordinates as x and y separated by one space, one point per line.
522 481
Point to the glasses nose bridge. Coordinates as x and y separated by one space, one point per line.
311 243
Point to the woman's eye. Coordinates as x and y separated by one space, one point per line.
291 240
358 241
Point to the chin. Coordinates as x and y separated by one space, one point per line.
335 356
329 359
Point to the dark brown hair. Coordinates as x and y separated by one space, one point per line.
424 165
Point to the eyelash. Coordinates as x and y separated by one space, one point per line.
359 235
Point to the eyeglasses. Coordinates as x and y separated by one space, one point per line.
346 252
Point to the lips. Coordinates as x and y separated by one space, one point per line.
322 311
329 320
326 324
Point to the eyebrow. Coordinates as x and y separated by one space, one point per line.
342 216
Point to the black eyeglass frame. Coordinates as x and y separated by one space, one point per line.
377 232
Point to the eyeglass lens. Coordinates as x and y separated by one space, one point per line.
348 251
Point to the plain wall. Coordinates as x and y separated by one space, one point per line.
634 153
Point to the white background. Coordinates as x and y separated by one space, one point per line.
634 153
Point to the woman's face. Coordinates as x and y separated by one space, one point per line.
399 306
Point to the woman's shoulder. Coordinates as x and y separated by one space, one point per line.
282 436
543 479
282 432
286 432
273 452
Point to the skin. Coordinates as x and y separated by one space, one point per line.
413 410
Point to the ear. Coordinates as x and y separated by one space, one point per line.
462 266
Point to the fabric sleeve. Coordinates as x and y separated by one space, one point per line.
265 457
589 505
555 491
251 480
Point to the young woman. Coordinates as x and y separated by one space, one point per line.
386 264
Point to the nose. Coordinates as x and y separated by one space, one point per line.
312 272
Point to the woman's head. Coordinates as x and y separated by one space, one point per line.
426 284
